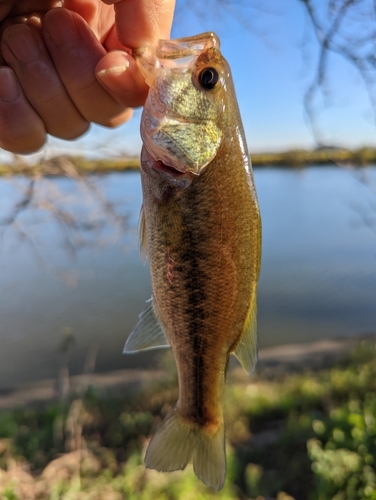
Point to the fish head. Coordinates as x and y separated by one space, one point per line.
182 124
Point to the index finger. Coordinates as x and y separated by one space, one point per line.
142 22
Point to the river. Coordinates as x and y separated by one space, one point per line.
318 278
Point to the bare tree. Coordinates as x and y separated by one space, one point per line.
342 28
346 28
83 214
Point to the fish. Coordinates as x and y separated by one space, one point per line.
200 228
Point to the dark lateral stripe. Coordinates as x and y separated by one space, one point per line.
194 282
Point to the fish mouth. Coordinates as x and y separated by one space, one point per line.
175 177
179 179
161 167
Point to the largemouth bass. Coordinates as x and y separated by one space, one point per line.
200 228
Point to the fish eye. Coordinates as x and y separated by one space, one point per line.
208 78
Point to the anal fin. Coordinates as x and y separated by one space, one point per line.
246 350
147 334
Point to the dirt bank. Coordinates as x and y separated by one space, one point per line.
272 361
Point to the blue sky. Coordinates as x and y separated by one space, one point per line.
272 65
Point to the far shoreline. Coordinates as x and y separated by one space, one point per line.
297 158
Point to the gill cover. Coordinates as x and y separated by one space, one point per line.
181 121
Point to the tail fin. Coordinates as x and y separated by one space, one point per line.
177 441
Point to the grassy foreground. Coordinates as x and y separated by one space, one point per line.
307 435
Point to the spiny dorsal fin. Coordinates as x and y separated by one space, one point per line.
246 350
142 235
147 334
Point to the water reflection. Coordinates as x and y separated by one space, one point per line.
318 276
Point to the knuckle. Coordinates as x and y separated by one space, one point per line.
71 133
22 145
116 120
22 137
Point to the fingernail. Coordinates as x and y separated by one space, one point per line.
62 29
9 88
21 42
106 76
114 70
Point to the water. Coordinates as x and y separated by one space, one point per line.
318 276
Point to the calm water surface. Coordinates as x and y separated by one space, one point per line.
318 276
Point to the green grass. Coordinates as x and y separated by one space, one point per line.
308 435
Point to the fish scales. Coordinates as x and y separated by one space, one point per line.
208 255
202 234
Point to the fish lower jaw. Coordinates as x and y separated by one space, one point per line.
170 173
167 169
176 177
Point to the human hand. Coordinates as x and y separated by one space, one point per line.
60 74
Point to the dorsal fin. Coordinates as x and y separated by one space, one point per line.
147 334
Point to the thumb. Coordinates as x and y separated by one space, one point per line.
138 23
142 22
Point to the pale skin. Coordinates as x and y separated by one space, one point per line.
63 68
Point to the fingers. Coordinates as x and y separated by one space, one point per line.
75 52
21 129
138 23
60 78
119 74
142 22
24 50
99 16
53 83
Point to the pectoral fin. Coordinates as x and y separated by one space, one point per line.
246 350
147 334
